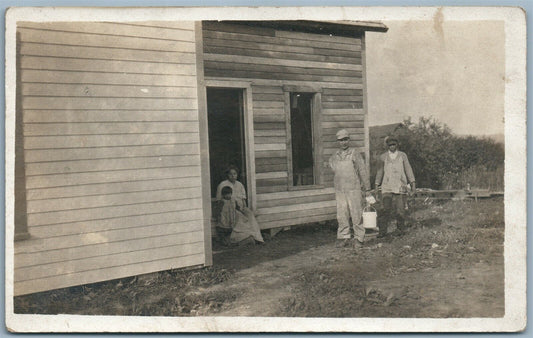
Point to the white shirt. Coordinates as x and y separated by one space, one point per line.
393 155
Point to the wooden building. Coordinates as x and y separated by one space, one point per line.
123 131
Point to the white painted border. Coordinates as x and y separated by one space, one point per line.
515 173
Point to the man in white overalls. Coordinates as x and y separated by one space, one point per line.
395 178
350 177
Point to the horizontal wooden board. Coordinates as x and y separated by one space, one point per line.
112 188
81 166
270 160
271 175
259 96
233 28
106 66
50 155
295 200
349 111
61 180
82 141
342 98
126 198
123 258
270 153
37 102
296 214
296 207
86 277
112 211
108 128
269 126
318 37
54 76
267 89
342 124
297 68
270 132
279 41
112 223
109 41
344 92
269 118
228 60
215 47
342 105
297 220
271 182
280 76
268 189
269 104
165 237
265 168
294 194
118 115
342 118
185 32
269 140
44 49
268 147
77 90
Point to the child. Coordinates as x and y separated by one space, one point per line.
225 211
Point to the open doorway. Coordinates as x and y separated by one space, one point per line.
225 115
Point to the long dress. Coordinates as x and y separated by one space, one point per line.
234 211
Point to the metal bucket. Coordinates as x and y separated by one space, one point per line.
369 217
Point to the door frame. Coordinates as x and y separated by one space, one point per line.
246 86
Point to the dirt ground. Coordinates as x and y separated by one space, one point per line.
448 264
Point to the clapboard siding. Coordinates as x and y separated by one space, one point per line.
270 59
112 151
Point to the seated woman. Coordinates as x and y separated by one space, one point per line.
233 212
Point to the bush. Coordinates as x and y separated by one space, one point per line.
441 160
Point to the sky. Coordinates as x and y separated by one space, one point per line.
452 71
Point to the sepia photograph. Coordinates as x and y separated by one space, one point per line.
265 169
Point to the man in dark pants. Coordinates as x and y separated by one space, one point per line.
395 178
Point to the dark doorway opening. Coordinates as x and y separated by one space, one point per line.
225 114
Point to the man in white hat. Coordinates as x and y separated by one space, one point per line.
350 180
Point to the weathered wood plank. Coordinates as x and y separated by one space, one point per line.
270 153
295 214
108 128
86 116
269 140
349 111
215 48
294 194
342 98
296 200
270 160
232 28
271 175
269 118
252 60
271 167
280 41
281 76
94 263
268 104
267 89
48 76
342 118
296 208
86 277
82 227
34 102
113 188
110 41
112 211
343 92
44 49
318 37
342 105
262 190
270 132
60 180
342 124
268 111
184 33
47 155
271 182
269 126
77 90
166 234
78 166
269 147
109 66
268 96
82 141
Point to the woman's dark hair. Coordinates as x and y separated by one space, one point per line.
231 167
226 190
